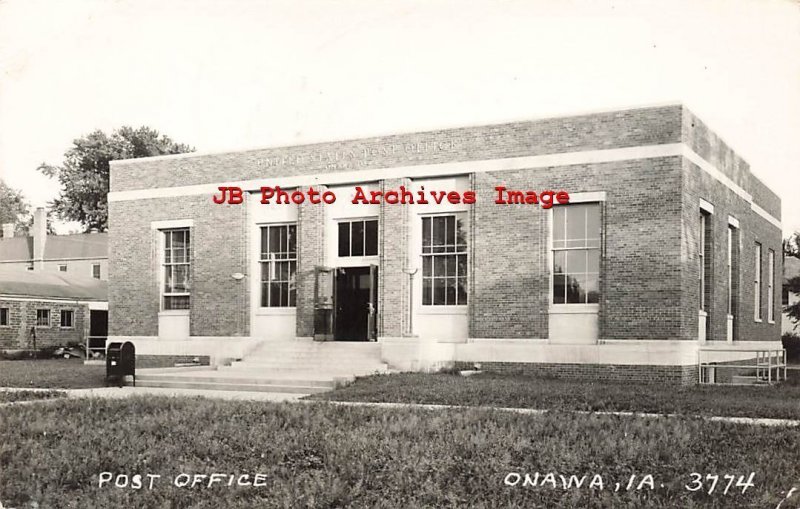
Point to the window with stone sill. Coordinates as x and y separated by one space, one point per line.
177 269
444 260
278 260
576 253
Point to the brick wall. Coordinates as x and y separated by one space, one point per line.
310 252
698 184
629 128
220 303
393 283
22 316
640 271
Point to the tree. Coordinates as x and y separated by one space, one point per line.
13 208
791 247
84 173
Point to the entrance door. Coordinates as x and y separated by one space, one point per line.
323 303
98 332
356 303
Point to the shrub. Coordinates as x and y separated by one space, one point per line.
791 342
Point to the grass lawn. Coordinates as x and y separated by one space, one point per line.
316 455
781 401
14 396
51 374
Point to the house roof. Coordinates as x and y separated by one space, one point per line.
20 282
16 249
57 247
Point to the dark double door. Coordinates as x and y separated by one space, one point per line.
353 305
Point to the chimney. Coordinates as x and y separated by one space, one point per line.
8 230
39 237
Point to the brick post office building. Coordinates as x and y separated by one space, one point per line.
669 244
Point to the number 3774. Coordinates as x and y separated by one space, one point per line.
715 483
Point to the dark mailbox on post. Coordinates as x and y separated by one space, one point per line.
120 362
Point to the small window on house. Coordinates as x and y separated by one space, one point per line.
96 270
62 268
67 316
358 238
43 318
4 317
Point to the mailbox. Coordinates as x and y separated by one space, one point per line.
120 362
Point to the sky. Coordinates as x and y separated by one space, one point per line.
225 75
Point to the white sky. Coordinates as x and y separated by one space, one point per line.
225 75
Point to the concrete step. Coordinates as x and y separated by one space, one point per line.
316 353
305 365
321 361
356 348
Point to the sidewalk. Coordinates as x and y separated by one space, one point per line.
124 392
127 391
762 421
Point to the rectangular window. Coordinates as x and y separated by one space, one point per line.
279 266
444 260
177 265
703 259
4 318
757 284
62 268
43 318
96 270
576 253
67 316
358 238
771 285
731 280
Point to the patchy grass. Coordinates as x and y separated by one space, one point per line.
14 396
781 401
317 455
51 374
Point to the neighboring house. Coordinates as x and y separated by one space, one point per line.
82 254
57 308
791 269
668 245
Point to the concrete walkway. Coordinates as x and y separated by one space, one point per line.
124 392
127 391
762 421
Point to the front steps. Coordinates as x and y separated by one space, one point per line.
299 366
